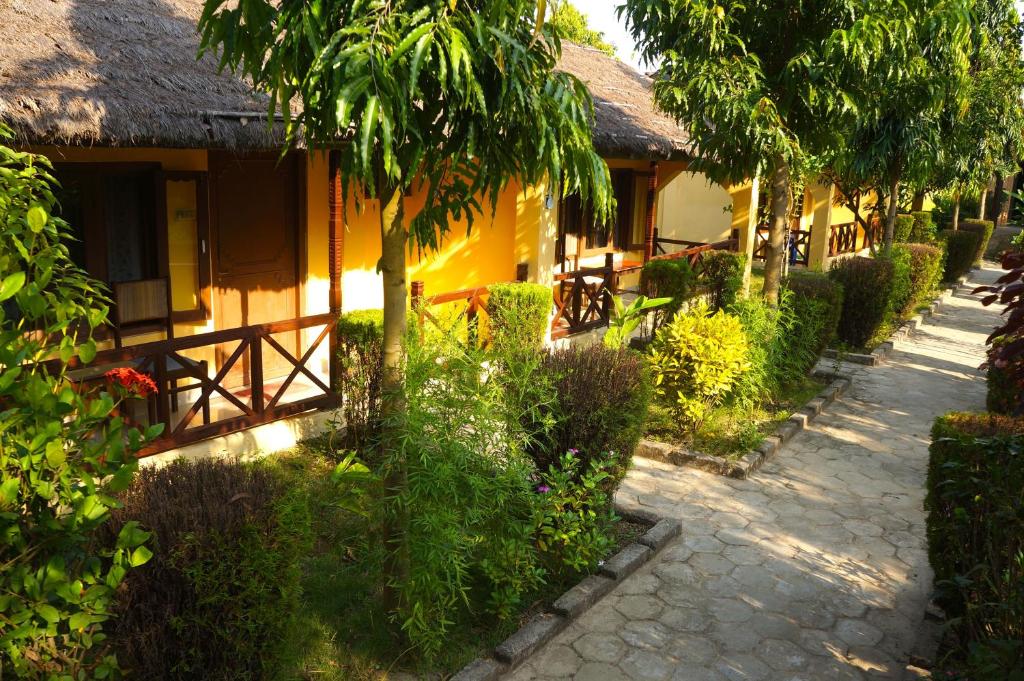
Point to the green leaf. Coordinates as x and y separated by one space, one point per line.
12 283
366 135
87 351
55 455
140 556
79 621
48 613
36 218
9 491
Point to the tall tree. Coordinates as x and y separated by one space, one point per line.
985 135
898 141
763 86
571 24
454 99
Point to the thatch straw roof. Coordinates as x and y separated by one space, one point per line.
627 121
124 73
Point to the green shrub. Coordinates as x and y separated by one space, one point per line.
925 271
976 541
901 289
984 229
817 304
520 315
601 401
223 588
64 451
697 359
722 277
770 360
924 229
961 249
361 358
465 505
574 514
667 279
902 228
866 285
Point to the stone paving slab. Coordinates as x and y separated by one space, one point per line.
815 568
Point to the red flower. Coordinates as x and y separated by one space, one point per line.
134 382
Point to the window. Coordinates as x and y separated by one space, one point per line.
577 220
134 222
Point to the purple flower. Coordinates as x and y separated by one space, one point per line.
543 489
574 452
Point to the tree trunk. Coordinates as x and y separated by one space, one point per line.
982 201
956 210
890 218
392 264
918 203
775 255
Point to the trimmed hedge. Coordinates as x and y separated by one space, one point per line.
902 228
976 541
519 315
817 303
222 590
602 395
1004 395
722 275
924 229
673 279
961 250
925 271
361 361
984 229
865 306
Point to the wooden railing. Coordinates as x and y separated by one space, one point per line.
583 299
248 395
475 300
843 239
799 245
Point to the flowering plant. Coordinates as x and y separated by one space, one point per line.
131 382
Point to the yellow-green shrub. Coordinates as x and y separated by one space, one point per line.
696 360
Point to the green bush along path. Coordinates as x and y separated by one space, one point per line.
816 568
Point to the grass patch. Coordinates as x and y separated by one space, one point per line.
344 633
731 431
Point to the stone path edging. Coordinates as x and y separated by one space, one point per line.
769 447
543 627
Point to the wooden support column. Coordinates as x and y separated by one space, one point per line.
652 212
335 256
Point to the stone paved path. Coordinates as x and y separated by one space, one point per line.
813 570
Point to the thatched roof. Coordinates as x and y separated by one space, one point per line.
124 73
627 122
119 72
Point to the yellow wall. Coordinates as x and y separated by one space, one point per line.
693 208
169 159
485 256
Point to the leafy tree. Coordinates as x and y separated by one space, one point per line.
64 453
765 87
984 135
454 99
571 24
898 137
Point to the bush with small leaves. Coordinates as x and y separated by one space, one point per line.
961 250
722 277
520 316
696 360
223 589
976 541
667 279
984 229
361 357
817 304
926 264
924 230
903 228
867 285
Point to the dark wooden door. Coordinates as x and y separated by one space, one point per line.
255 220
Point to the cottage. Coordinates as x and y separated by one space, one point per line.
228 261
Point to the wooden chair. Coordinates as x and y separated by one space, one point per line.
138 305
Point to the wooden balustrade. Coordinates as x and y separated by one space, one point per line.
475 300
799 245
583 299
843 239
248 396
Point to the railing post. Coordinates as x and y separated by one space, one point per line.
609 286
416 290
256 372
523 272
335 256
650 238
163 405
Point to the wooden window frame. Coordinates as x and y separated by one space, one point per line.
204 309
620 236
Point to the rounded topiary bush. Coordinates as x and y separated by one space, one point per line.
961 251
601 400
925 264
673 279
924 229
222 589
984 229
722 276
520 315
817 303
903 228
867 290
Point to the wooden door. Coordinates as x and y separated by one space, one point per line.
255 249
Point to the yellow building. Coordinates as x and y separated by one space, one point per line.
228 262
